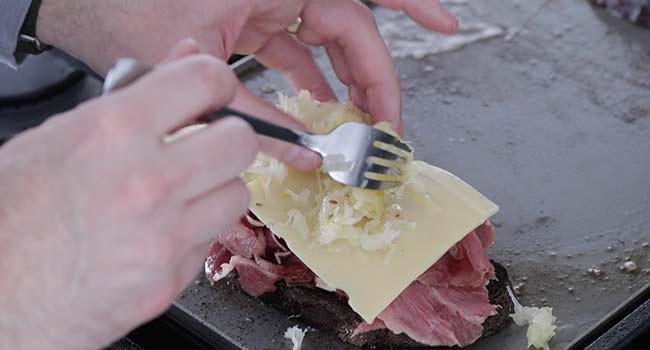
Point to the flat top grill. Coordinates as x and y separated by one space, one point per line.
543 106
550 119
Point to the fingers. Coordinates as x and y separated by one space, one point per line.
337 58
296 156
428 13
352 27
215 211
178 92
212 212
358 98
285 54
211 156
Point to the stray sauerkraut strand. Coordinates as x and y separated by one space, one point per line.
296 335
540 321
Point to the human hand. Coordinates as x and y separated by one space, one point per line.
101 223
99 32
348 32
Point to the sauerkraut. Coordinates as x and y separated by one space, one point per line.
540 321
296 335
367 219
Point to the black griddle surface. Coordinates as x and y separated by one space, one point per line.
553 124
43 86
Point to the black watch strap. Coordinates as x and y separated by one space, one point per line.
27 40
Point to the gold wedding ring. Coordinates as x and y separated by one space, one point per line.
295 27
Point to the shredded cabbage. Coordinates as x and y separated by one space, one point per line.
389 254
319 117
268 168
296 335
361 217
368 220
302 197
298 221
540 321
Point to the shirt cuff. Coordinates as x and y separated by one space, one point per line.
12 16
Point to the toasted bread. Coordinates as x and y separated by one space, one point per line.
329 312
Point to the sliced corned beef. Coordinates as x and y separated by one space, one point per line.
253 279
218 256
424 318
465 265
472 304
259 258
486 234
446 305
243 240
295 273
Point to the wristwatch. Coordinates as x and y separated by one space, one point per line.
27 40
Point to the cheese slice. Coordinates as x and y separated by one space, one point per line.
431 212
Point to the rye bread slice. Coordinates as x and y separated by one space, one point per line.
329 312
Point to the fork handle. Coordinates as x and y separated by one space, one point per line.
261 127
127 70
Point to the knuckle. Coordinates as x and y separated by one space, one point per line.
316 16
214 76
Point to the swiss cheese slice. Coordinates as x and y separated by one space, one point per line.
394 236
443 207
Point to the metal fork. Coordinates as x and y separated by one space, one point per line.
353 154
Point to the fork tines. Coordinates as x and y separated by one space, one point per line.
384 137
388 156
